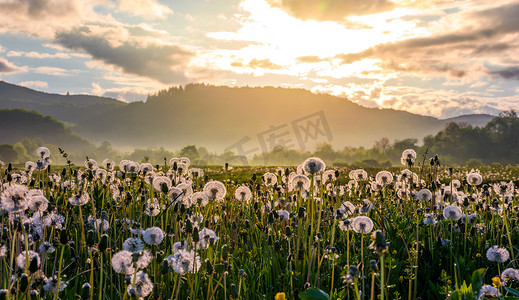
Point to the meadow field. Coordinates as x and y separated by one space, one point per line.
129 230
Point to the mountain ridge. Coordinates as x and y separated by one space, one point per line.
219 117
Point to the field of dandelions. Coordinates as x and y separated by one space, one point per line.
175 231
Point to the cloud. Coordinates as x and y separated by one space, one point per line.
257 64
508 73
332 10
33 54
126 94
38 17
54 71
163 62
39 84
148 9
7 67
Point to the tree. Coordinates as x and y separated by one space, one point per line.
190 152
383 144
8 153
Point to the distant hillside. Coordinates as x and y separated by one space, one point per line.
69 108
220 117
476 120
16 124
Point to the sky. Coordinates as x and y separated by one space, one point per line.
440 58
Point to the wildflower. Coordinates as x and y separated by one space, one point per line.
488 291
143 259
408 157
152 207
496 254
79 199
30 166
300 182
474 178
430 219
314 165
206 236
215 190
133 245
504 188
329 176
345 225
509 274
153 236
243 193
46 247
199 198
3 251
424 195
146 168
161 183
184 262
358 175
346 208
496 281
122 262
98 224
384 178
43 152
51 284
362 224
452 212
174 194
141 287
90 164
379 244
283 214
280 296
20 259
108 164
13 198
38 203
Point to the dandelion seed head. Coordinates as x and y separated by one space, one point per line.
497 254
362 224
153 236
133 245
452 212
122 262
314 165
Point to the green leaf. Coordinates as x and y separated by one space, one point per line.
477 279
313 294
512 291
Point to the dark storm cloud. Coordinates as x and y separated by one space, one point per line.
165 63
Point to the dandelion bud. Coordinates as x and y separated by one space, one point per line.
90 237
3 294
301 212
288 231
196 238
189 226
225 253
34 264
103 244
24 283
353 270
373 265
209 266
63 237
